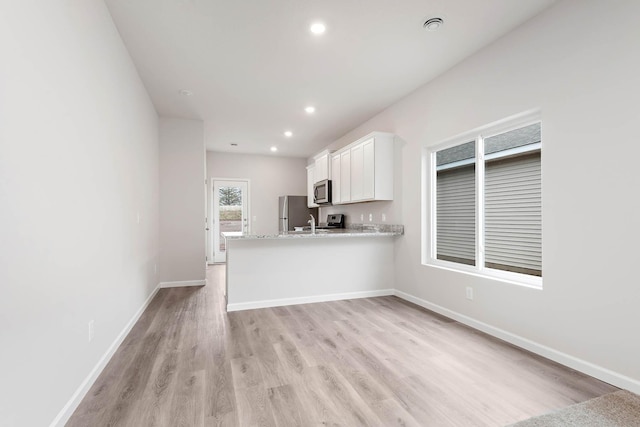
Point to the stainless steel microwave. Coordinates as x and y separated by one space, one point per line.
322 192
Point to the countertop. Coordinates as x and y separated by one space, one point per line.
352 230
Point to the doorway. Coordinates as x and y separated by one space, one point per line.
230 213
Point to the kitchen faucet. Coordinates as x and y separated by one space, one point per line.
312 221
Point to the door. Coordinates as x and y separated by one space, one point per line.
230 213
357 171
368 170
335 179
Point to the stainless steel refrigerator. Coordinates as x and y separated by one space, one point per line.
293 212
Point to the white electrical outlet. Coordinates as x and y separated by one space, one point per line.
370 217
361 217
91 331
469 293
384 217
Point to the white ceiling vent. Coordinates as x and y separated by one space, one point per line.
433 24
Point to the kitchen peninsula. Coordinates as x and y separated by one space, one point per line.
302 267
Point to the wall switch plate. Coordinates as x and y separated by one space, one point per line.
469 291
91 330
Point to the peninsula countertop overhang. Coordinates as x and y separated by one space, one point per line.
352 230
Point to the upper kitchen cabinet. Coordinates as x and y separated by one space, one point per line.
366 170
335 179
310 181
341 177
322 166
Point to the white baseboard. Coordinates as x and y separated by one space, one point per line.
306 300
583 366
63 416
183 283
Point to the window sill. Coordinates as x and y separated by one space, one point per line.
532 282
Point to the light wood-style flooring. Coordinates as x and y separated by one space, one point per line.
366 362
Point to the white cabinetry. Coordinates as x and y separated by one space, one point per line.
368 164
360 172
310 182
368 171
345 176
357 173
335 179
322 166
341 184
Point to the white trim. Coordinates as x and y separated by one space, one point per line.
512 151
63 416
306 300
457 164
429 194
495 128
183 283
480 207
533 282
565 359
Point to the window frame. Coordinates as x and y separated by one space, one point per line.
429 197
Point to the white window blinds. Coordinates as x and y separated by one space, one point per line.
513 215
456 215
513 201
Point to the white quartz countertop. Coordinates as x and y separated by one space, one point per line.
352 231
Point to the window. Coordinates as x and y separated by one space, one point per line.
484 202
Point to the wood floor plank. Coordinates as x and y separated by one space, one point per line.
372 361
254 407
220 402
287 407
392 414
336 390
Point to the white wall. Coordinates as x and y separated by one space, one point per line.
182 201
78 163
269 176
585 78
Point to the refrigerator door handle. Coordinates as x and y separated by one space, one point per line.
285 223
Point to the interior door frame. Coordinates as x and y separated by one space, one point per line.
210 220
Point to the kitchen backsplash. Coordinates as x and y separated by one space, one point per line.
381 212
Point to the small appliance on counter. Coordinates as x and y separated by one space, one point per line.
293 212
333 221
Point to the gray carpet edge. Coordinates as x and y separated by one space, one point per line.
617 409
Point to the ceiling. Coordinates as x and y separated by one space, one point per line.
253 65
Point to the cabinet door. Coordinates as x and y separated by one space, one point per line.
335 179
310 182
345 176
322 168
357 171
368 170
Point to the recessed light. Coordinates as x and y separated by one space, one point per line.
433 24
310 109
274 149
288 133
317 28
186 92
